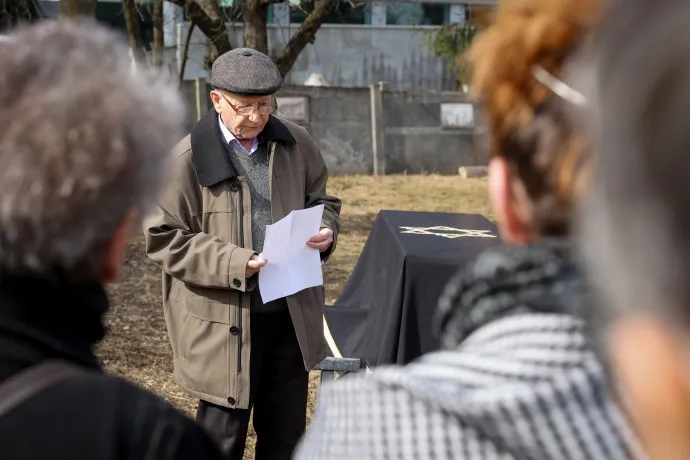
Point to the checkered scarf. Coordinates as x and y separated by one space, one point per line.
516 379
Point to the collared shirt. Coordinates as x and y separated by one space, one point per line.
233 141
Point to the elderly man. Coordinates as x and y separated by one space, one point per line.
83 149
241 168
636 221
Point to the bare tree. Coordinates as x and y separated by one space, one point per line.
73 8
306 34
185 51
136 43
157 48
15 12
207 17
255 19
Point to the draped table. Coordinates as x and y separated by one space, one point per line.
386 313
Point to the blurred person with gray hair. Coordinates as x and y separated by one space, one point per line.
83 148
635 223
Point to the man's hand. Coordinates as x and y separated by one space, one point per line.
254 265
322 240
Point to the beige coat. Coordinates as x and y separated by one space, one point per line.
200 235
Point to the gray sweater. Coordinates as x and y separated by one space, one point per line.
254 168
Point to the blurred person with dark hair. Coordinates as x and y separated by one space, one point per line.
516 378
83 149
636 218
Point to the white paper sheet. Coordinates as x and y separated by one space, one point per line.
292 265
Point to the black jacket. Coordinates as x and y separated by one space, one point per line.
94 416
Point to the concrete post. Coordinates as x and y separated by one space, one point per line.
378 135
200 97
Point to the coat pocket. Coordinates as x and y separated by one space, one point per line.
207 304
205 357
205 343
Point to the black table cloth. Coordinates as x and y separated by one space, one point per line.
386 311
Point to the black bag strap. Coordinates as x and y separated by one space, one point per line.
28 383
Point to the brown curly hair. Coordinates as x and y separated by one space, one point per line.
530 126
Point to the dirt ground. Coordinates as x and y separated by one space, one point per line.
137 344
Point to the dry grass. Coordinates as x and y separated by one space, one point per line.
137 345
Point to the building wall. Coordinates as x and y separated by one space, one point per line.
339 120
348 56
414 137
416 140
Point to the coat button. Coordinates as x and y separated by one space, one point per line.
234 187
237 283
234 330
231 401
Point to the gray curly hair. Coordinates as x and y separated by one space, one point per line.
83 140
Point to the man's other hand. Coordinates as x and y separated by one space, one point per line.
322 240
254 265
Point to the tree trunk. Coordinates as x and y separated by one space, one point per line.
15 12
206 16
158 45
255 18
73 8
185 52
305 34
129 9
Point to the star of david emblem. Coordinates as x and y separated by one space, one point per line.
448 232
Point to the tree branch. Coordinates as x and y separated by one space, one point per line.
305 34
210 21
255 18
16 12
133 31
158 45
205 14
73 8
185 51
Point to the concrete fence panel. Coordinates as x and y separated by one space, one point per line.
376 131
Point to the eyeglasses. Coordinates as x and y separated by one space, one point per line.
248 109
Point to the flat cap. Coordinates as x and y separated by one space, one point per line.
246 72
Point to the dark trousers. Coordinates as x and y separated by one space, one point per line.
278 393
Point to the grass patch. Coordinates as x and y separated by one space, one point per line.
137 344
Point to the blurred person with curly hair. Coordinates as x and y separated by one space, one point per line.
516 377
